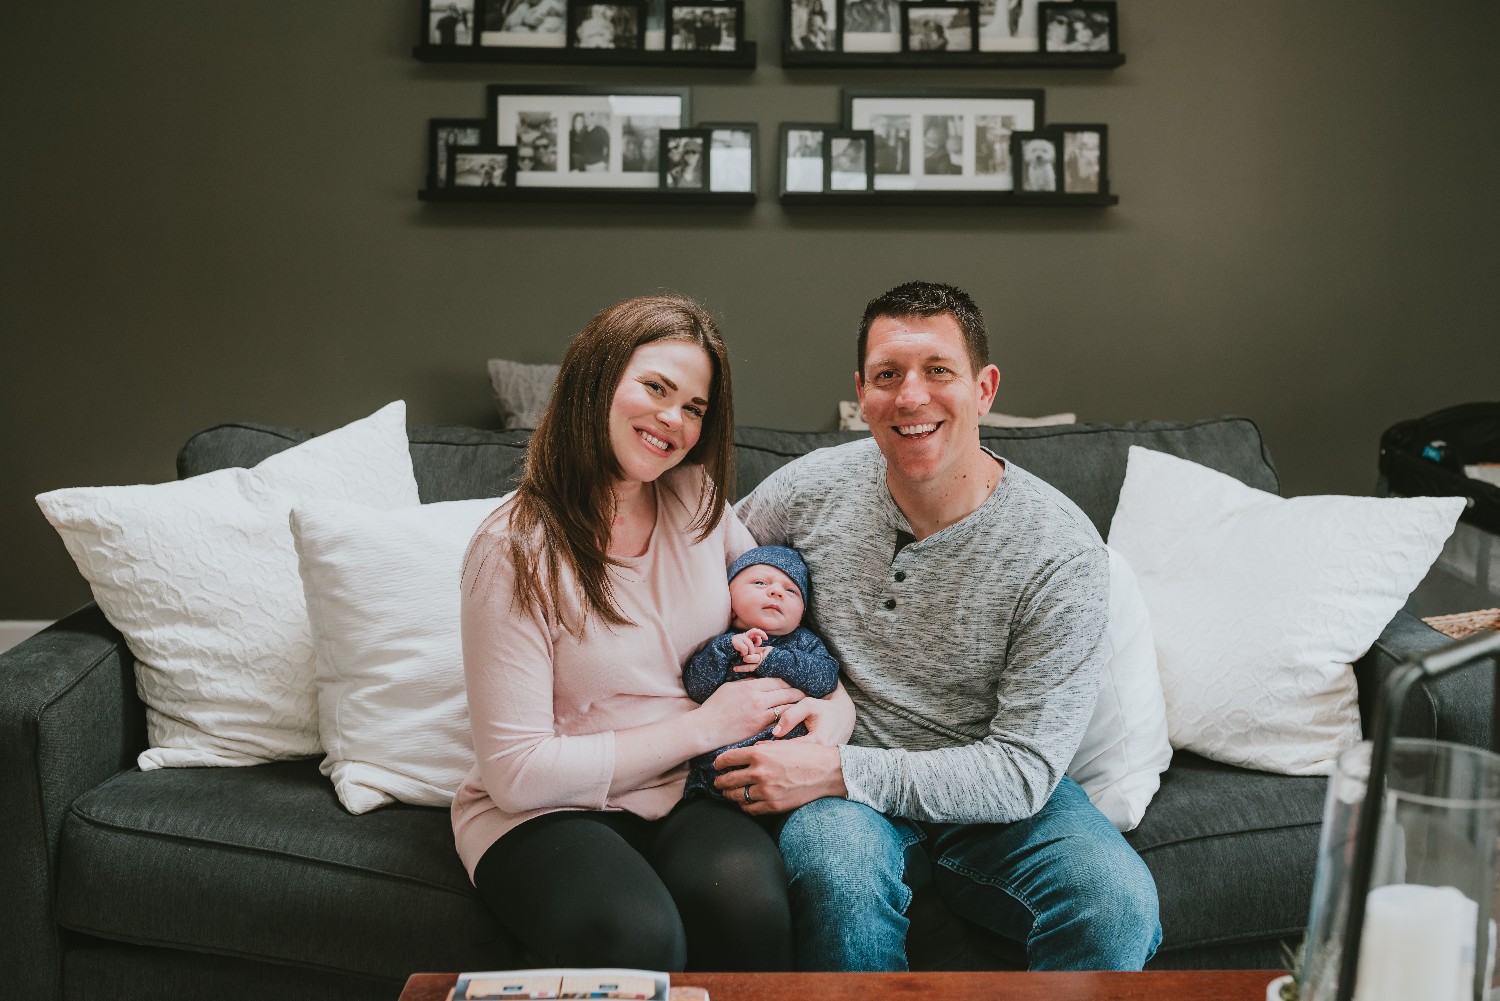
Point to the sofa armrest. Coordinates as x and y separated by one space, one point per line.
1454 707
69 719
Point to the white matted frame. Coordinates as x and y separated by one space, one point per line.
525 117
943 139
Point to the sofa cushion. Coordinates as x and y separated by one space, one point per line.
1232 852
263 862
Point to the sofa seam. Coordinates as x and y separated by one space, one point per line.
111 937
188 839
1187 840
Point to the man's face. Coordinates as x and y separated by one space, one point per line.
920 396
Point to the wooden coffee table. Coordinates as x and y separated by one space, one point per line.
1166 985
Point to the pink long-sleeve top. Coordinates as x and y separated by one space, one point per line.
544 704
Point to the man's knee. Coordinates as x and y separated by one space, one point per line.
836 848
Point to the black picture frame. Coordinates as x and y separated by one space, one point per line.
437 144
1079 175
433 30
550 32
727 157
795 16
925 12
735 11
634 39
1034 175
521 114
839 148
458 173
1100 18
677 173
800 180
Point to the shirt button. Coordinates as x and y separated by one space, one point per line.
890 603
900 576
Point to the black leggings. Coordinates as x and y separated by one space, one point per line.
703 889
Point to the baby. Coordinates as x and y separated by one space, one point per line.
768 591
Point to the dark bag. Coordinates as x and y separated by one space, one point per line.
1425 457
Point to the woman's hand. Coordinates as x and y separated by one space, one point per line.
744 708
829 720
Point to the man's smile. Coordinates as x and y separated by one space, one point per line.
917 430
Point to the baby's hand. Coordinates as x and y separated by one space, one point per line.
748 645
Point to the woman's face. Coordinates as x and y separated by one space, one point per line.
656 416
577 123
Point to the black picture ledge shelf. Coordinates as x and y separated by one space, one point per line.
969 198
802 59
643 196
741 58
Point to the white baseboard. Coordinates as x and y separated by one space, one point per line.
13 631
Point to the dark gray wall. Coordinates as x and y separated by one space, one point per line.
210 215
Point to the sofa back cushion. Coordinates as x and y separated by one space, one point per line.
1084 461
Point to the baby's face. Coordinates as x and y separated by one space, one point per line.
762 597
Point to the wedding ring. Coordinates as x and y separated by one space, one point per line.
776 711
747 794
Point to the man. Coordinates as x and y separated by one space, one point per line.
967 601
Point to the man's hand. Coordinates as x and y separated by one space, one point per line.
830 720
748 645
780 775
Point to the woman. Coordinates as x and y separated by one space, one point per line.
583 596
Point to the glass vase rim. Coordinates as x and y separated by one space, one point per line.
1487 758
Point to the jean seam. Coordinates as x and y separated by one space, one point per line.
984 879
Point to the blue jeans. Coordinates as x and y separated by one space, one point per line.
1063 882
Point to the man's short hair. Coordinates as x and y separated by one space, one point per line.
930 299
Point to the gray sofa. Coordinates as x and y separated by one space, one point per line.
231 883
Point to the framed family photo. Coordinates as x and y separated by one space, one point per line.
732 155
482 166
606 25
705 25
812 25
871 26
684 158
848 161
1081 26
802 156
1085 158
448 22
943 139
524 23
443 134
939 27
582 137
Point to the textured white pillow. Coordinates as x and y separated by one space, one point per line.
1261 603
850 419
521 391
201 578
383 598
1125 749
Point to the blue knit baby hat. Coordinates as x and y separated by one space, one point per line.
788 561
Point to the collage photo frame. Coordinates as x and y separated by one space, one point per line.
928 32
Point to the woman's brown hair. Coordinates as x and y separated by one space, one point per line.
563 509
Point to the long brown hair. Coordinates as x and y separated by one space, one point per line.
565 505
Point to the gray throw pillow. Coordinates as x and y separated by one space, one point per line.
521 391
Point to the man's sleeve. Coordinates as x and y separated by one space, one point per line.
1044 701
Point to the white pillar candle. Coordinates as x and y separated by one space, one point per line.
1418 944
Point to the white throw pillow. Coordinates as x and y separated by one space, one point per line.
1260 604
201 578
1125 749
521 391
383 598
850 419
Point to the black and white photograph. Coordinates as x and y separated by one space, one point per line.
1085 169
872 26
576 136
849 160
1077 27
656 25
536 141
684 159
1037 162
731 156
483 167
1008 25
589 141
802 157
939 27
606 25
524 23
813 25
953 138
443 133
448 22
705 27
893 151
992 145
